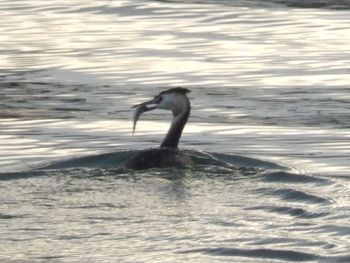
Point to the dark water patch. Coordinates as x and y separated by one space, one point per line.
288 255
290 194
315 4
297 212
107 160
289 241
341 258
70 237
22 175
30 229
8 216
332 4
70 109
337 230
74 100
292 211
77 172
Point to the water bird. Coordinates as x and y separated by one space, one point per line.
168 154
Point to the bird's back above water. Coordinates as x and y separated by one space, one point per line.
158 158
167 155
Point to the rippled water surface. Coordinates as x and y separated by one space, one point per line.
269 131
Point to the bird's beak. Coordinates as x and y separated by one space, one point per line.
143 107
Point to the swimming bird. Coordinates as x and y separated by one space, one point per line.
167 155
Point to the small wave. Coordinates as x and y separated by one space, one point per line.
21 175
106 160
292 211
205 162
244 161
282 176
256 253
290 194
331 4
7 216
117 159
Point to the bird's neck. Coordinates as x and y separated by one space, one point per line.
173 136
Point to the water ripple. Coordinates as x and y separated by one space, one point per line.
292 211
289 194
289 255
281 176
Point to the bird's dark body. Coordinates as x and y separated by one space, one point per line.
158 157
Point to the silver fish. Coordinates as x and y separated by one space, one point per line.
141 108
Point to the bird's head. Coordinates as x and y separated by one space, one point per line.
174 99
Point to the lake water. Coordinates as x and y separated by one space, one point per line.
269 131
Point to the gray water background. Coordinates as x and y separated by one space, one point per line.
269 81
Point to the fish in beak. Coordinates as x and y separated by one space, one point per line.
143 107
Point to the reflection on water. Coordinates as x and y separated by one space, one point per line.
299 127
206 212
268 82
182 44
